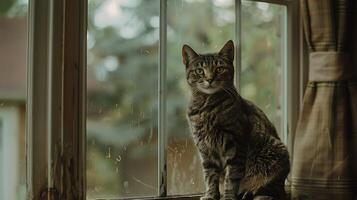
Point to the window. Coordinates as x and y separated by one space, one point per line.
106 104
138 142
206 26
122 125
261 79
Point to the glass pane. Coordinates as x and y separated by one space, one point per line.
122 98
206 26
13 51
263 40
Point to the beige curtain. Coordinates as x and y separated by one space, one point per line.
325 143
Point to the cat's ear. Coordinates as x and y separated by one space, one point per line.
188 54
228 50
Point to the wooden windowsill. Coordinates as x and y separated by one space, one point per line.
176 197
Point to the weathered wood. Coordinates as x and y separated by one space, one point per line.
50 194
74 90
55 96
162 154
56 100
37 102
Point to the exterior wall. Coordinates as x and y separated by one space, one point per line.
13 51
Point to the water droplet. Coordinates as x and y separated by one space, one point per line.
126 186
118 158
109 154
192 181
97 189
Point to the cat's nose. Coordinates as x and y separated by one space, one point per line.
210 80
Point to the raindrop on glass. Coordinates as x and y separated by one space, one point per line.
118 158
126 186
109 154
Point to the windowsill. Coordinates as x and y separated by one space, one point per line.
176 197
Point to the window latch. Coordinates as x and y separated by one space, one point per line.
50 194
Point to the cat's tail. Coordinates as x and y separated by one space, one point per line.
268 161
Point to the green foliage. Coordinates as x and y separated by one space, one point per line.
13 8
5 5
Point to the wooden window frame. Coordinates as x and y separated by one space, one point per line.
56 106
56 99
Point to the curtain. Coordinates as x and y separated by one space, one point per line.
325 142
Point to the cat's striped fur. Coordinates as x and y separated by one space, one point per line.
235 139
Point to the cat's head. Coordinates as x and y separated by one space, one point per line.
209 73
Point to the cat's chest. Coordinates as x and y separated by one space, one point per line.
203 120
214 122
212 115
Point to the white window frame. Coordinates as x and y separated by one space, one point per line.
9 150
56 107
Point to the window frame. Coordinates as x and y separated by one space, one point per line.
56 107
9 137
55 115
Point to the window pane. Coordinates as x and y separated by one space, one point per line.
122 98
263 57
205 26
13 50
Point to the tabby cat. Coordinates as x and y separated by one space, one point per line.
238 145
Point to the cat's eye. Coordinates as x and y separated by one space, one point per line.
220 70
199 71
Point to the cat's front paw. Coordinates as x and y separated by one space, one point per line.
226 197
263 198
210 197
229 196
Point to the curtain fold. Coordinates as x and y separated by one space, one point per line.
325 152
